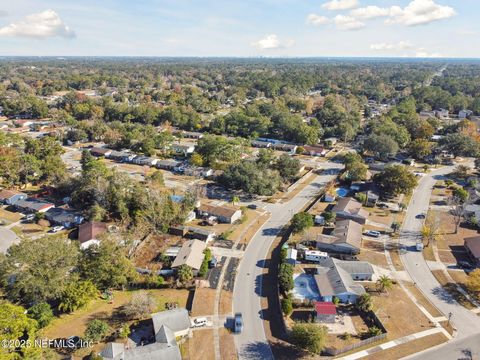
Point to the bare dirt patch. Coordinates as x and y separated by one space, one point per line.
227 345
203 302
201 345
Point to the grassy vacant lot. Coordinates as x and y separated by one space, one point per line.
409 348
392 310
76 322
201 345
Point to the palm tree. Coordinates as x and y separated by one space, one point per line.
384 283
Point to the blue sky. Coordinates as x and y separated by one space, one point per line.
413 28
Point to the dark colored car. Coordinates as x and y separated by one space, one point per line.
238 326
420 216
464 265
252 206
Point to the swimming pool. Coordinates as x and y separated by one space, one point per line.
305 287
342 192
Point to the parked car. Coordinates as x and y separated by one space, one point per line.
420 216
252 206
29 217
373 233
382 206
56 229
199 322
238 327
464 265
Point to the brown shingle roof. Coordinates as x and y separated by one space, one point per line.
90 231
190 254
7 194
350 205
219 211
473 244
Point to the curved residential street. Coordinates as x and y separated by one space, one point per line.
466 322
7 239
252 342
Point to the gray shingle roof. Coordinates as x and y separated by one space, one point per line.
176 320
332 279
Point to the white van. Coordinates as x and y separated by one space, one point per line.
199 322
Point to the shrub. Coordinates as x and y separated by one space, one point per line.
310 337
287 306
42 313
96 330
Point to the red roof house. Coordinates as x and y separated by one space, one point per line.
326 312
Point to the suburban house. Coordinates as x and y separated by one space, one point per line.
472 245
98 151
463 114
32 205
200 234
224 214
196 171
66 218
358 270
314 150
188 134
261 144
349 208
184 149
10 197
472 210
121 156
179 230
144 160
442 114
346 238
369 189
167 327
168 164
285 147
89 232
333 280
291 256
326 312
191 254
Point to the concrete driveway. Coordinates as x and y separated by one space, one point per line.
7 239
252 342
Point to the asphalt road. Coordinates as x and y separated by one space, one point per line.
252 342
462 349
7 239
466 322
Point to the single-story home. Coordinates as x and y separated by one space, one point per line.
179 230
200 234
346 238
167 326
326 312
89 232
188 134
314 150
285 147
472 245
349 208
333 280
121 156
10 197
98 151
32 205
66 218
184 149
224 214
261 144
191 254
196 171
144 160
472 210
168 164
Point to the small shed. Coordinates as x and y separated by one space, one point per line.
326 312
291 256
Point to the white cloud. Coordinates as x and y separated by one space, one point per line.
402 45
425 54
40 25
340 4
270 42
316 20
3 13
420 12
347 23
370 12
